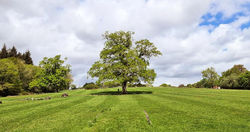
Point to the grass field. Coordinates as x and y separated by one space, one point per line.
169 109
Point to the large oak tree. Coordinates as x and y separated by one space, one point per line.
123 61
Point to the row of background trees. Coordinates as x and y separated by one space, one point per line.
237 77
18 75
12 52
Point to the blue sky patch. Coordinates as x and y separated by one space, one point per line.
217 19
246 25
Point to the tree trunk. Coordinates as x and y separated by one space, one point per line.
124 87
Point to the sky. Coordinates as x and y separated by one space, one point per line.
192 34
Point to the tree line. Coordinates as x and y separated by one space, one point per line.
18 75
12 52
237 77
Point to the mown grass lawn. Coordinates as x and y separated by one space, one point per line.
169 109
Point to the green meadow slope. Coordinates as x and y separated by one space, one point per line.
168 109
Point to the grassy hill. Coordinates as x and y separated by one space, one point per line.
172 109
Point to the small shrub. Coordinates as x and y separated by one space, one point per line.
73 86
181 86
165 85
90 86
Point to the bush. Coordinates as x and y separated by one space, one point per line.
9 89
73 86
165 85
90 86
181 86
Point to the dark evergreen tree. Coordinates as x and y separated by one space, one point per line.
19 55
27 58
13 52
4 52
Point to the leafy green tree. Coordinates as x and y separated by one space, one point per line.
200 84
4 52
236 69
53 77
15 76
211 78
27 73
190 85
230 82
10 82
244 80
124 62
230 78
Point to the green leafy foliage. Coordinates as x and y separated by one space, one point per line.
236 77
244 80
211 78
111 84
53 77
165 85
230 78
190 86
90 85
236 69
15 76
123 62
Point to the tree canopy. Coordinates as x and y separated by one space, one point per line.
15 76
237 77
210 76
53 77
230 78
123 61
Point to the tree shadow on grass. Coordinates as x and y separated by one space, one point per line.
120 93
